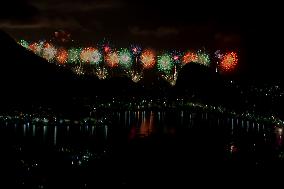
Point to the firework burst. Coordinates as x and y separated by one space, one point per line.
203 58
125 58
74 55
49 52
91 55
112 59
78 70
36 48
189 57
165 63
24 43
228 62
171 78
135 76
86 54
148 59
62 56
96 57
136 50
218 54
101 73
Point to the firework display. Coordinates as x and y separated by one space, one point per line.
78 70
176 58
74 55
49 52
133 60
135 76
136 50
112 59
203 58
125 59
148 59
86 55
35 47
189 57
24 43
106 49
165 63
218 54
62 56
91 55
101 73
171 78
228 62
96 57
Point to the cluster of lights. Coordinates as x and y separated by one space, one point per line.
132 61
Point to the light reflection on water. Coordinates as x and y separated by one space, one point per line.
144 124
82 145
279 137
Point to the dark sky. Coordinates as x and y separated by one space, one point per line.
253 29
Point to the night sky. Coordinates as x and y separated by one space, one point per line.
254 30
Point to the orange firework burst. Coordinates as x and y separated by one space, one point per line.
189 57
112 59
148 59
229 62
62 56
